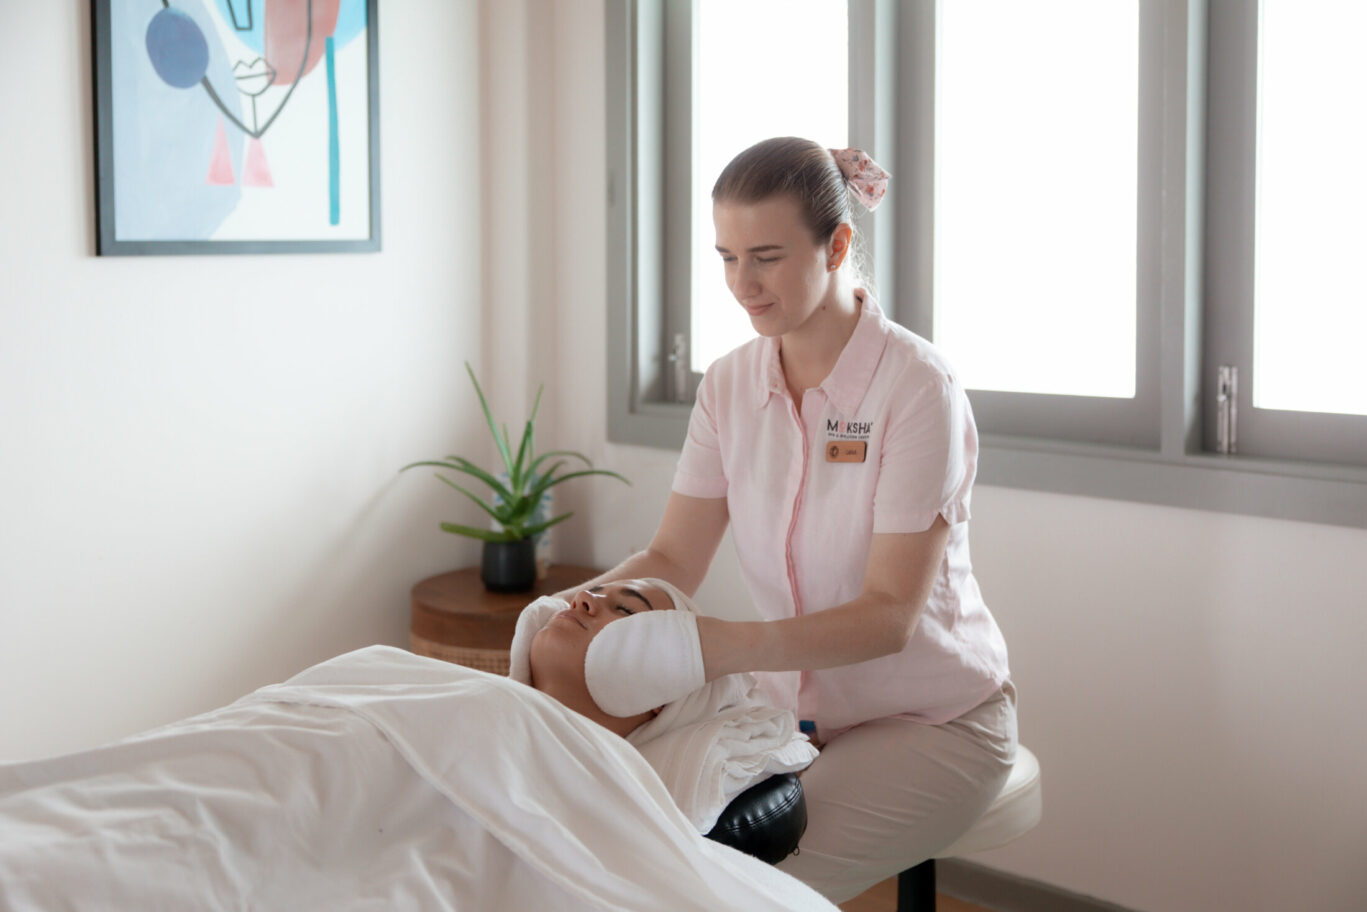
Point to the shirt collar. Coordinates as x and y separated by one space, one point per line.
770 374
849 380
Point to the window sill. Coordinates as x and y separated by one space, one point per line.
1247 485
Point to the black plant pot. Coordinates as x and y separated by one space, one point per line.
509 566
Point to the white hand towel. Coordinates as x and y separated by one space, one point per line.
644 661
535 616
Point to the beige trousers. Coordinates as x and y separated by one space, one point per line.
891 793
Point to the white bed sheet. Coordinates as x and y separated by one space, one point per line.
376 780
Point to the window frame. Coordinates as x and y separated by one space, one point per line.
1133 422
1171 464
1232 202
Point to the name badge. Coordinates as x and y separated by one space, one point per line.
846 450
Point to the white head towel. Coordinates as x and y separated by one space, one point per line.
707 747
535 616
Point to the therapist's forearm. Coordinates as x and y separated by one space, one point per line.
868 627
680 551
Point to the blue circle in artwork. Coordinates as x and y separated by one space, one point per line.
177 48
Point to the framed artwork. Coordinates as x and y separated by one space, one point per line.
236 126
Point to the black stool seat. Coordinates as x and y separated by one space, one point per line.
766 820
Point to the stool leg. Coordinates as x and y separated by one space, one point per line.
916 888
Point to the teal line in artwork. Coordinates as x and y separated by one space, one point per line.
334 153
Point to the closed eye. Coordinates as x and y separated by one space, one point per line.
624 609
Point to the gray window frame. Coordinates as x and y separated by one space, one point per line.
1133 422
1167 460
1231 189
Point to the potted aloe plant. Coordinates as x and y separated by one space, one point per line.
508 563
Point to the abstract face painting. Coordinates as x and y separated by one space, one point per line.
236 125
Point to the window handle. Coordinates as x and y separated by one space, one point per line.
678 357
1227 410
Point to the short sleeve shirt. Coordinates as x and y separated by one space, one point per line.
885 444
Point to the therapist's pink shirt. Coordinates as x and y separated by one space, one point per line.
802 523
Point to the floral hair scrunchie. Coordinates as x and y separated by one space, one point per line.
868 181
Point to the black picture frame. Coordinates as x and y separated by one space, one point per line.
106 45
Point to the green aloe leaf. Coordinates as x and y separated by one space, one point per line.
500 515
541 480
523 450
549 453
520 512
529 531
548 482
488 416
536 405
440 465
485 534
469 468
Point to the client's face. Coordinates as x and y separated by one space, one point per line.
558 649
593 609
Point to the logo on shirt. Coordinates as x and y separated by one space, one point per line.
847 441
848 430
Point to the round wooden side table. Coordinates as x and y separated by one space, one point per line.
455 618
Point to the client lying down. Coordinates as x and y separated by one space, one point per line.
707 747
381 779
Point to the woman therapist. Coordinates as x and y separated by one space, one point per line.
841 449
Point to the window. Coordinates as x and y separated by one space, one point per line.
753 77
1036 231
1288 303
1309 291
1110 163
1037 174
683 97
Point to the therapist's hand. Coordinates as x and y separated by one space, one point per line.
644 661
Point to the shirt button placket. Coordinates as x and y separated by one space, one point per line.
799 463
803 465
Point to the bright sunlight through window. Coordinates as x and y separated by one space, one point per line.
1310 293
1036 157
761 68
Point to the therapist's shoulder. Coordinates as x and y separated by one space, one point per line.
912 362
918 390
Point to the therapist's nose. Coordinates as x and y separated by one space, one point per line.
743 284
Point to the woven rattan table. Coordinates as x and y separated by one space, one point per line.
455 618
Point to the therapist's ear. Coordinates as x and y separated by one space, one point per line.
839 246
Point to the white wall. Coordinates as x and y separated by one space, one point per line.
199 454
1189 680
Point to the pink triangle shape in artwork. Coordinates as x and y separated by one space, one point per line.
221 165
256 173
